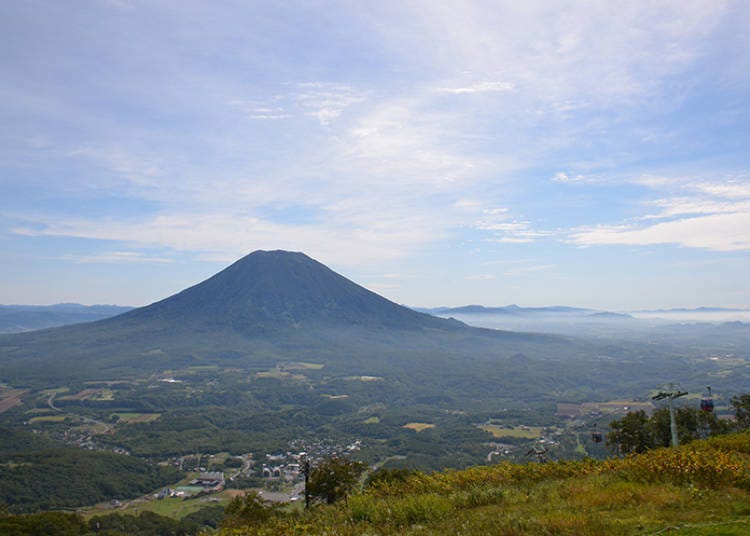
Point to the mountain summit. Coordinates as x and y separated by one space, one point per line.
280 289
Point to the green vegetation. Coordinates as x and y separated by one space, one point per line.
246 510
334 479
701 488
637 432
41 474
144 524
174 507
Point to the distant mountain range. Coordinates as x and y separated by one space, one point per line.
561 311
516 311
695 310
19 318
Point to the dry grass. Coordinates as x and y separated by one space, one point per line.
418 426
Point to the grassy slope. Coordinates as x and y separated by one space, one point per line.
701 488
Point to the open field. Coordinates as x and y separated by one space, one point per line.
203 368
418 426
47 418
525 432
301 365
610 407
91 394
177 508
39 411
11 399
131 418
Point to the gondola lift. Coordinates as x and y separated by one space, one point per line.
707 402
596 436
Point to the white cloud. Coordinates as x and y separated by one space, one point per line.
687 206
561 176
228 237
508 232
479 87
567 55
326 102
723 232
732 189
323 101
712 215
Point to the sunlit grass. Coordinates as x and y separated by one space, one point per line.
700 489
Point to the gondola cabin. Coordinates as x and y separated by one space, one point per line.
707 402
596 437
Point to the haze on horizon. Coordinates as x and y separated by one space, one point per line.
540 153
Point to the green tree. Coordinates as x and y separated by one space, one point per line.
632 433
388 476
692 424
741 405
248 509
334 479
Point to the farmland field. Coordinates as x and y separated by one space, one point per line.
47 418
419 426
91 394
131 418
525 432
11 398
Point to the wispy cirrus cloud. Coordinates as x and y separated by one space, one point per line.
507 231
725 232
479 87
713 215
229 236
323 101
564 177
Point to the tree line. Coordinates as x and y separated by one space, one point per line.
637 432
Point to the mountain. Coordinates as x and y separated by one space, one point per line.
19 318
607 315
278 289
269 305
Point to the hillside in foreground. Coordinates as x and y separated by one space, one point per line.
699 489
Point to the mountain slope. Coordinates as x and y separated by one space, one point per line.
263 308
276 289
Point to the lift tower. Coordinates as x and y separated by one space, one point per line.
670 394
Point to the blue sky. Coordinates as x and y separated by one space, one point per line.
440 153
